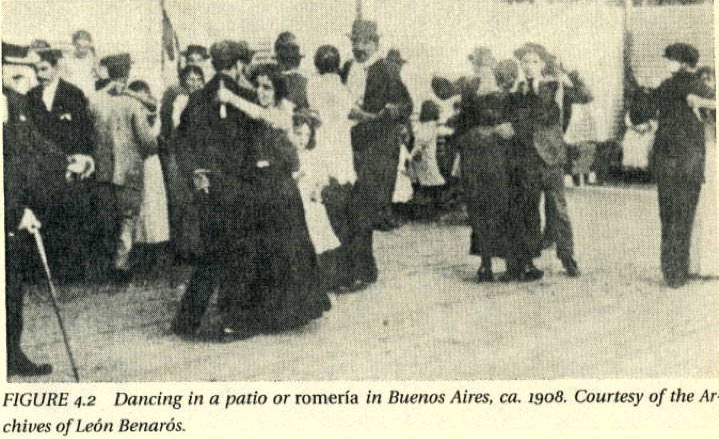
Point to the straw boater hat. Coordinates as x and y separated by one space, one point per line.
43 49
18 55
363 29
540 50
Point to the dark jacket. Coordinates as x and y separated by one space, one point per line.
205 140
297 89
68 123
538 120
679 147
34 168
376 143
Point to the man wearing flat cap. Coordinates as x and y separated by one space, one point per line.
382 106
59 110
679 155
124 139
213 141
35 177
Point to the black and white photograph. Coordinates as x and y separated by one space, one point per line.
205 191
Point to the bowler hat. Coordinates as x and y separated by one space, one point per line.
538 49
394 55
285 38
14 54
682 52
118 65
229 52
195 49
482 56
287 51
363 29
46 53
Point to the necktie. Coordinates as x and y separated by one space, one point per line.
532 90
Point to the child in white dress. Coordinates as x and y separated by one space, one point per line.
311 179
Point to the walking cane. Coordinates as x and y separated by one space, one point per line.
53 299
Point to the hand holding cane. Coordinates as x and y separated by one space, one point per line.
35 232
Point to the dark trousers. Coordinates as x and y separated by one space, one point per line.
363 213
678 197
336 265
13 320
20 260
558 227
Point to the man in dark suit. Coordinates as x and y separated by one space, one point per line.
60 111
289 57
383 106
538 163
213 152
679 155
34 175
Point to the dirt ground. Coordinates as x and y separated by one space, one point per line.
426 319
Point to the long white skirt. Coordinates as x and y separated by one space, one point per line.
153 225
704 255
403 185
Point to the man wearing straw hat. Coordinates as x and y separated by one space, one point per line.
382 106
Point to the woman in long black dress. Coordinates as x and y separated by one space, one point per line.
281 282
483 130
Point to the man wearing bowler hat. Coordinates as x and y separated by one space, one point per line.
34 175
382 106
124 139
289 57
212 150
679 155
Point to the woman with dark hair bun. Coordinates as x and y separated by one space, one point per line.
333 102
280 286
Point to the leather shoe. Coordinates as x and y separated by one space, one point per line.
571 266
24 367
531 274
484 274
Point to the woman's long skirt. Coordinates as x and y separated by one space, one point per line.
486 190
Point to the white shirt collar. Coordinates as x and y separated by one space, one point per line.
371 60
49 92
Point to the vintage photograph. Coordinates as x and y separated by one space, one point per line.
359 190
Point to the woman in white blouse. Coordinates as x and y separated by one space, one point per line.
333 102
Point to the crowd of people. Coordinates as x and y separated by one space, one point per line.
271 184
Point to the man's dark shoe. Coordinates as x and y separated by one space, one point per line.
571 266
484 274
24 367
510 276
676 282
120 278
532 274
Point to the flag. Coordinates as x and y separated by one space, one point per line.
170 42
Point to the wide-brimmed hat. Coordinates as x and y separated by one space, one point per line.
682 52
118 65
21 55
482 56
540 50
193 49
394 55
363 29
